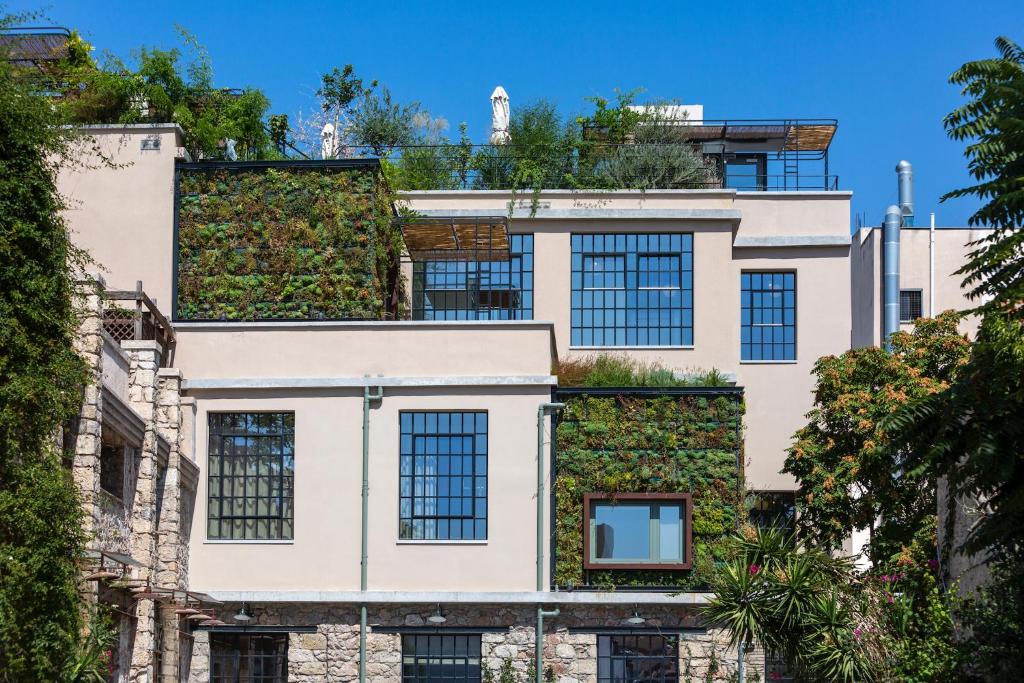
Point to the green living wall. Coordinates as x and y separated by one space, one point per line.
666 441
286 240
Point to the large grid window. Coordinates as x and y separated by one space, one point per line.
437 657
637 658
632 290
250 483
768 316
910 305
443 476
476 290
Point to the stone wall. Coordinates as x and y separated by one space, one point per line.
151 499
331 651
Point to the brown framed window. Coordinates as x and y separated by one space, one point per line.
637 531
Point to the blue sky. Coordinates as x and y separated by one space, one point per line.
880 68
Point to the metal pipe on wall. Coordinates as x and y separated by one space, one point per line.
931 265
538 636
905 175
364 524
890 274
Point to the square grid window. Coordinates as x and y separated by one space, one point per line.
476 290
443 476
632 290
634 658
768 316
910 305
437 657
772 509
251 476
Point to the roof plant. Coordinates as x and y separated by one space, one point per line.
159 85
41 379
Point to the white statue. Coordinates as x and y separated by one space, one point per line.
229 151
499 117
328 142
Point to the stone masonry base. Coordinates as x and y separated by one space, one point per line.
328 650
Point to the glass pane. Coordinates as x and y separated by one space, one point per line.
622 532
671 533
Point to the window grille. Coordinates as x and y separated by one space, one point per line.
476 290
637 659
251 476
910 305
632 290
768 316
443 475
440 658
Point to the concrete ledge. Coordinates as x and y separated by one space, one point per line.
231 326
465 597
793 241
521 212
359 382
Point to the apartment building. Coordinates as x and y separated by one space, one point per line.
381 473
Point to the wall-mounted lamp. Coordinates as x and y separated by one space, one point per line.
636 619
437 617
242 615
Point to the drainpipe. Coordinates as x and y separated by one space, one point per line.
367 398
931 266
891 274
538 636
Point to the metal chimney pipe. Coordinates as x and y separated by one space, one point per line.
905 173
890 274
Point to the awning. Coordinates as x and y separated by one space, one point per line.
456 238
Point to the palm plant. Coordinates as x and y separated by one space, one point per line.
795 602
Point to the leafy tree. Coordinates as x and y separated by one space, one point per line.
972 433
382 124
41 378
993 120
849 476
161 88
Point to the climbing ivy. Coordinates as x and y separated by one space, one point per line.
286 242
635 442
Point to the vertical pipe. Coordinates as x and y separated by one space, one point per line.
905 174
891 274
931 266
367 397
538 636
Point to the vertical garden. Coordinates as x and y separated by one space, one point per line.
285 241
648 440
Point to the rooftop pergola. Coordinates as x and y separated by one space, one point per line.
451 238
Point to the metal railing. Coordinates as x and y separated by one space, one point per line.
592 166
140 320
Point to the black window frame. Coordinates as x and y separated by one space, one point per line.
910 303
442 650
622 313
752 342
234 657
491 295
279 486
772 509
622 647
435 517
